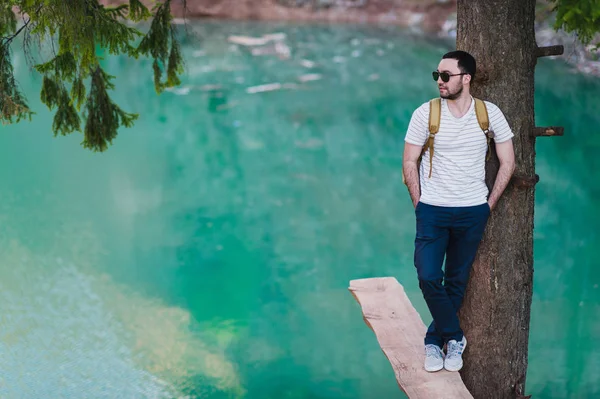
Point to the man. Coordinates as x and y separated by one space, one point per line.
451 200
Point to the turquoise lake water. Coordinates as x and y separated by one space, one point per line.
207 254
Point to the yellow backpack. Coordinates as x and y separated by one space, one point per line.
435 114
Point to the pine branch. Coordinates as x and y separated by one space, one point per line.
12 102
85 32
103 116
7 39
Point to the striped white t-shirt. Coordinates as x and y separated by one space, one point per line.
458 174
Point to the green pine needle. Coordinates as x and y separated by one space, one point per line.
103 116
82 32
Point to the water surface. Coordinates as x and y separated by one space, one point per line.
207 254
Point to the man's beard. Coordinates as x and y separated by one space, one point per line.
453 96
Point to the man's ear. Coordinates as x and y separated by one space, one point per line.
467 78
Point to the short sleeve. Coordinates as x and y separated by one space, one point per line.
418 128
498 124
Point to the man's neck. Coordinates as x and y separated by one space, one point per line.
461 105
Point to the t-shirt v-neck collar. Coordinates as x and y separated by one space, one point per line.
462 118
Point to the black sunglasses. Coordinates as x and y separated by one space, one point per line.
445 76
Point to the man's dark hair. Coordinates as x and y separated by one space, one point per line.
466 62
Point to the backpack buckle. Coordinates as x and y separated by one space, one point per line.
489 133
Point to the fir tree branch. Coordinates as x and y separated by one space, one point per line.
103 116
85 31
7 39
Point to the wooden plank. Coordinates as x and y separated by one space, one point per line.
400 331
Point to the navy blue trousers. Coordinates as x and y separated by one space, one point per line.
453 233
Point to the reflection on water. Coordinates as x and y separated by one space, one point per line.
208 252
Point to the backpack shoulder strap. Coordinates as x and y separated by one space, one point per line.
482 115
435 114
484 123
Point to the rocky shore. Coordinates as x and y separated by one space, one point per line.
429 14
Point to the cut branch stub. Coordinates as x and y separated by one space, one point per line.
549 51
548 131
520 181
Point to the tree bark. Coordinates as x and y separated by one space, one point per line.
495 315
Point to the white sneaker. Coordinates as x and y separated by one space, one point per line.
434 358
453 361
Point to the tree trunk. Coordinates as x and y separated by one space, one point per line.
495 315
